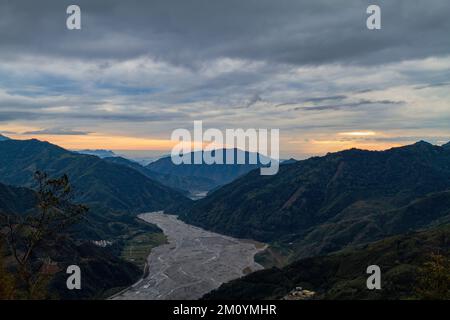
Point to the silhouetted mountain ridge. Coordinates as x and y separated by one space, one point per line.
101 153
183 184
211 175
324 203
95 181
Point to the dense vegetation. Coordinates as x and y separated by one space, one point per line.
31 276
323 204
114 194
339 204
413 266
97 182
181 184
103 273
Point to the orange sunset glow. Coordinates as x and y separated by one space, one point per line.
313 146
99 141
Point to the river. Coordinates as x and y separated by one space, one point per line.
193 263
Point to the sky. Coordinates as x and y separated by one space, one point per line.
137 70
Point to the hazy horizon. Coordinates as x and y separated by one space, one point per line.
155 154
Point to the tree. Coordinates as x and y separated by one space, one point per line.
29 237
434 278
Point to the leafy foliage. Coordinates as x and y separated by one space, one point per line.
28 234
104 273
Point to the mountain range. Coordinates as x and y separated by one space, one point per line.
187 179
319 214
183 184
101 153
114 194
324 204
96 181
208 177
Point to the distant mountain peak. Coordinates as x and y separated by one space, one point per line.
101 153
422 143
4 138
212 175
289 161
313 190
422 146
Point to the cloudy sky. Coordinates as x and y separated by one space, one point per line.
139 69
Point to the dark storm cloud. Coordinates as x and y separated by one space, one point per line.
226 62
351 105
320 99
433 85
253 100
433 139
190 32
436 140
6 116
314 100
58 131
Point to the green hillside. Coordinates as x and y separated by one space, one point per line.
114 193
16 199
182 184
322 204
403 261
96 181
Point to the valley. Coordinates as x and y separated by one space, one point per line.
193 263
307 214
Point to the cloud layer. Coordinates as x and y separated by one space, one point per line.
310 68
